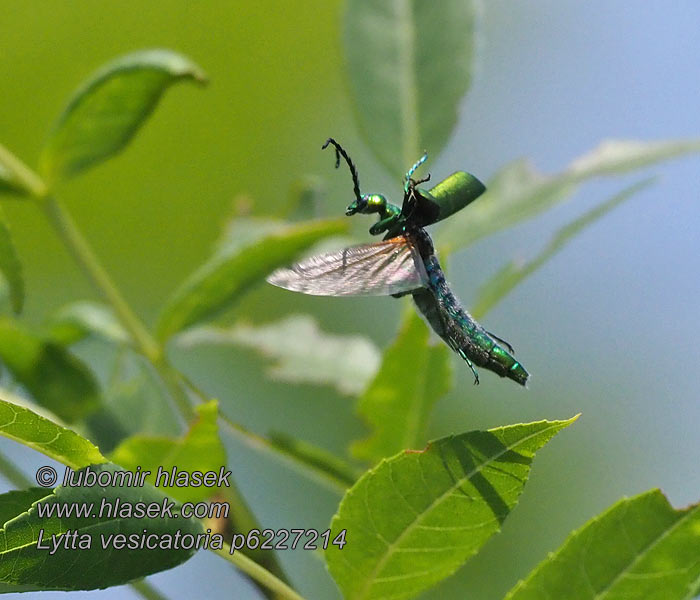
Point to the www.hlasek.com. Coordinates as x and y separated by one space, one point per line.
118 508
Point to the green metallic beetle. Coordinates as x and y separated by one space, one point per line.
405 263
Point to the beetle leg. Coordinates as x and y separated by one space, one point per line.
506 344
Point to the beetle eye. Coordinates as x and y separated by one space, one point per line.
356 206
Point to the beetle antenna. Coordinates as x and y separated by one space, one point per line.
340 151
412 170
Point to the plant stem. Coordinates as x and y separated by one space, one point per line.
258 573
22 173
144 342
146 590
84 256
153 352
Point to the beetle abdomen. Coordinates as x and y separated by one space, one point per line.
458 328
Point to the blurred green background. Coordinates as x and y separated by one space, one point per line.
607 328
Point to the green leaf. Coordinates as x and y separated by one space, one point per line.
302 353
640 547
26 427
10 267
241 231
409 66
416 517
77 320
107 111
137 399
133 400
17 501
614 157
398 402
515 272
237 266
693 590
55 378
200 450
519 192
22 563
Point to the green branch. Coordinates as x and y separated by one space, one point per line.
82 253
143 341
22 174
146 590
258 573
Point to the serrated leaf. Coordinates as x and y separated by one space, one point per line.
409 64
23 564
10 267
53 376
77 320
199 450
416 517
301 352
519 192
26 427
513 273
17 501
219 283
13 394
413 375
110 107
640 548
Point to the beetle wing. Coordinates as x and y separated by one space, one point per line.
383 268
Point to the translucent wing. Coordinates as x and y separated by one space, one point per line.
389 267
